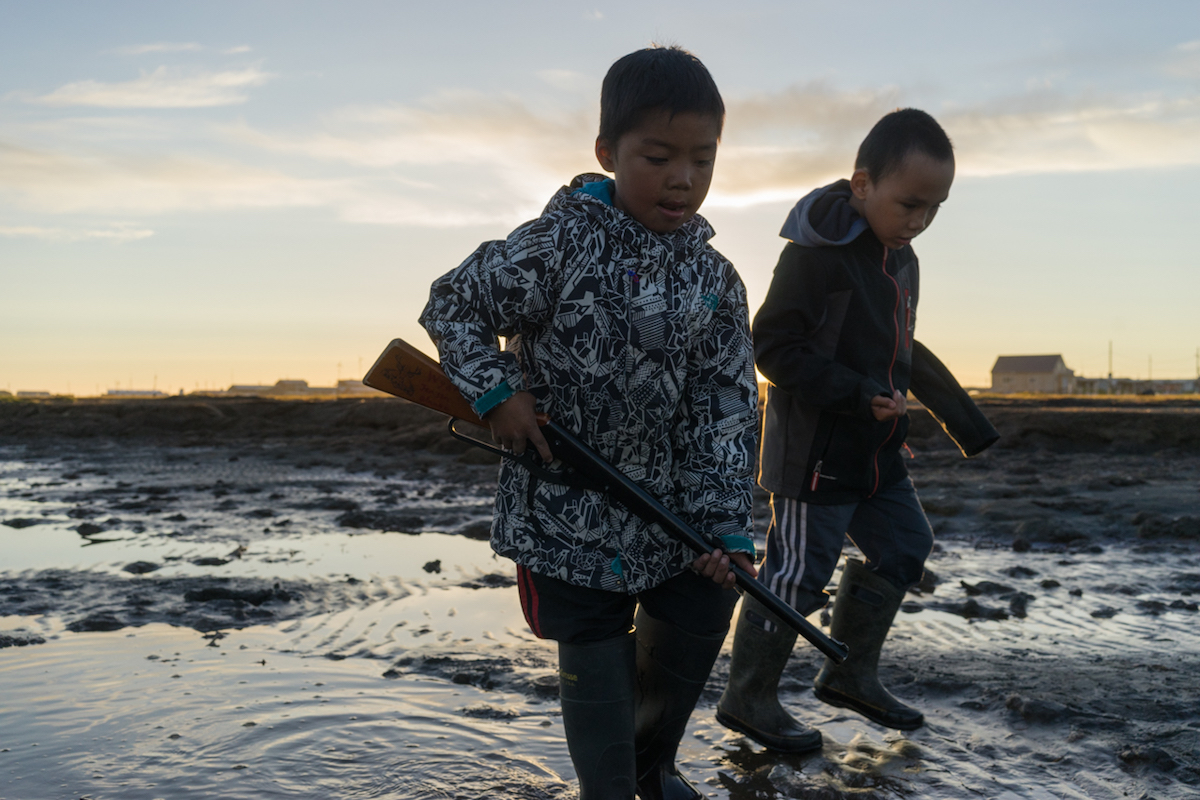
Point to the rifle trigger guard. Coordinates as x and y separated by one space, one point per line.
532 463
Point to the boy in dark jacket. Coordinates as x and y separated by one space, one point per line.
835 340
625 325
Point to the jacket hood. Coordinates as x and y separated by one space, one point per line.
693 235
824 217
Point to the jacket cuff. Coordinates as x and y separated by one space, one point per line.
868 391
493 398
738 543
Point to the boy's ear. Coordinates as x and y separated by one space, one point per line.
859 182
604 154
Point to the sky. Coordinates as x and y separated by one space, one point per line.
200 194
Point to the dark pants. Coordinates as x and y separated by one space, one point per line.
574 614
805 541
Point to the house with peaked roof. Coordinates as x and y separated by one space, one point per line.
1039 374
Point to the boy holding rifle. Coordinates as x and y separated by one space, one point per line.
624 325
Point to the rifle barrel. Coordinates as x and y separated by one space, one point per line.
571 450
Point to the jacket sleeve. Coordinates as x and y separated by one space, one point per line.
716 435
949 403
503 287
788 330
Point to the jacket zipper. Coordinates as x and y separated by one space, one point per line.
891 365
908 326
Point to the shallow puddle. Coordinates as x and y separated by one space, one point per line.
262 645
157 713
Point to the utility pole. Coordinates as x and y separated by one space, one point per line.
1111 387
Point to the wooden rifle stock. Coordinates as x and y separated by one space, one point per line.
406 372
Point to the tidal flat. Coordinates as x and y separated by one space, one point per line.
251 598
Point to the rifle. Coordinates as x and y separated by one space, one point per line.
406 372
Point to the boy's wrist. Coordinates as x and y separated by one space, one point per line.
738 543
493 397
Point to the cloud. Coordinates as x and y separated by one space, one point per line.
384 208
500 140
162 88
1052 134
565 79
775 144
778 144
1184 61
241 48
117 234
90 181
468 158
159 47
453 128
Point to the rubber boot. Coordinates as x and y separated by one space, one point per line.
750 704
862 615
596 684
672 668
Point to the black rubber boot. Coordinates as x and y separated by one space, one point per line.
596 684
750 704
672 668
862 615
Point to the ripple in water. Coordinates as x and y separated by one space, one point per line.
158 714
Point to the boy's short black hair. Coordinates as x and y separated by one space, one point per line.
656 78
895 136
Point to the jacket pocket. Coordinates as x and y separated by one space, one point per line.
819 475
845 464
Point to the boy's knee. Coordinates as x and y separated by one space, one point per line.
904 572
693 604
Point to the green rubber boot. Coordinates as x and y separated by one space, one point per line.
596 684
750 704
862 615
672 668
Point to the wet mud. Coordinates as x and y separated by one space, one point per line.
252 598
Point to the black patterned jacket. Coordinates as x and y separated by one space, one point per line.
640 343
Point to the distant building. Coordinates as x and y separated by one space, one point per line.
288 386
33 395
294 389
249 390
1135 386
134 393
1039 374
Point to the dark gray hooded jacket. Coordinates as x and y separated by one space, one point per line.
835 331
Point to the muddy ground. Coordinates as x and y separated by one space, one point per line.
1053 645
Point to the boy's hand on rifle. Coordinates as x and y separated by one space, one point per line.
716 564
514 422
884 408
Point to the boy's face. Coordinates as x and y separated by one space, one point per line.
663 167
903 204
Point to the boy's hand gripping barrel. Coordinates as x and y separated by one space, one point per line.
406 372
